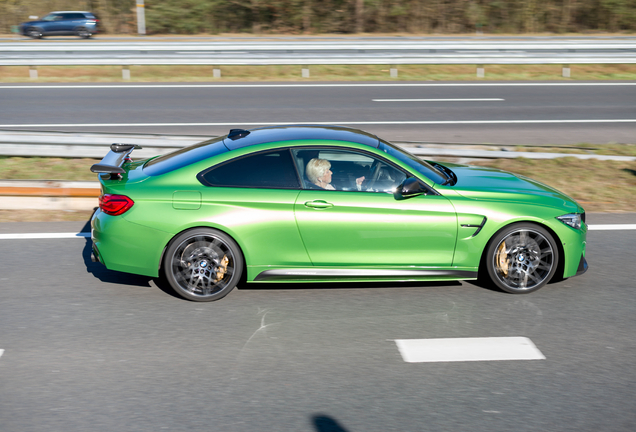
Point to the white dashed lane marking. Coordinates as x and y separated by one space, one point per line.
468 349
440 100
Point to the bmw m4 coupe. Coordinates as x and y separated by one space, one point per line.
319 204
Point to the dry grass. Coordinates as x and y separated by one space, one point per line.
604 149
13 74
43 168
44 215
599 186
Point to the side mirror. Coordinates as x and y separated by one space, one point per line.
410 187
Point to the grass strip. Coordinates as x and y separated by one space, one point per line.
600 186
195 73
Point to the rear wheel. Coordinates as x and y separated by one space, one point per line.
522 258
84 33
203 264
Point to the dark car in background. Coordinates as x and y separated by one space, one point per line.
62 23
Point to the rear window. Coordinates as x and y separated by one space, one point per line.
185 156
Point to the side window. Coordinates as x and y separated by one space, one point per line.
346 170
272 169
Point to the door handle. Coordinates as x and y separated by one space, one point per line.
318 204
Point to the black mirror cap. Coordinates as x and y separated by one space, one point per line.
410 187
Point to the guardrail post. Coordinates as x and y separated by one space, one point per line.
393 72
33 72
566 71
216 72
480 71
125 72
305 71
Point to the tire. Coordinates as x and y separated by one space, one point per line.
203 264
34 33
522 258
83 32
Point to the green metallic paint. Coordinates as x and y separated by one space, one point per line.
375 229
275 229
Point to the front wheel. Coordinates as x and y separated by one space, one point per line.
34 33
522 258
203 264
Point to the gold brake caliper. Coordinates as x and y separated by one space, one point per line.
502 259
221 269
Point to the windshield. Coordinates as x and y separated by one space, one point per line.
414 162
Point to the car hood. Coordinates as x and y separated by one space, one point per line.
483 183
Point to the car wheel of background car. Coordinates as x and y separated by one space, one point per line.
522 258
34 33
83 33
203 264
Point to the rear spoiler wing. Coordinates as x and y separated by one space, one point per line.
114 159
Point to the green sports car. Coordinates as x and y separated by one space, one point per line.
327 204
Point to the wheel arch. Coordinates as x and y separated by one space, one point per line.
560 265
35 27
224 231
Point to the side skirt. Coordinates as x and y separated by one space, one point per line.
338 275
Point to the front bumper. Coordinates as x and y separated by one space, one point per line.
582 266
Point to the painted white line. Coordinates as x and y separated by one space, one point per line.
611 227
468 349
1 352
42 236
379 122
440 100
106 86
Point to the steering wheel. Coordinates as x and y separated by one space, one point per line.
375 170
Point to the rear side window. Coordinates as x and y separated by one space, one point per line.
271 169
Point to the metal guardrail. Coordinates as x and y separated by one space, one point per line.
393 53
94 145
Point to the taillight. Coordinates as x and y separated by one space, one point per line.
115 205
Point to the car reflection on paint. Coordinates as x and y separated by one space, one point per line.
249 207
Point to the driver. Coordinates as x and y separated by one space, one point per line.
319 174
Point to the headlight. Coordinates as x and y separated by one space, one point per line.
572 219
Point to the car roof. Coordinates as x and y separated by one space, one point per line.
71 12
239 138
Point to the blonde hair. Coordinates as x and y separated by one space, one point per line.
316 168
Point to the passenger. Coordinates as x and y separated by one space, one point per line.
319 173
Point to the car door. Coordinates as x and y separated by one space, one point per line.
252 198
57 25
366 225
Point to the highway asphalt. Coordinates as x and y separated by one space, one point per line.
89 349
473 112
83 348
